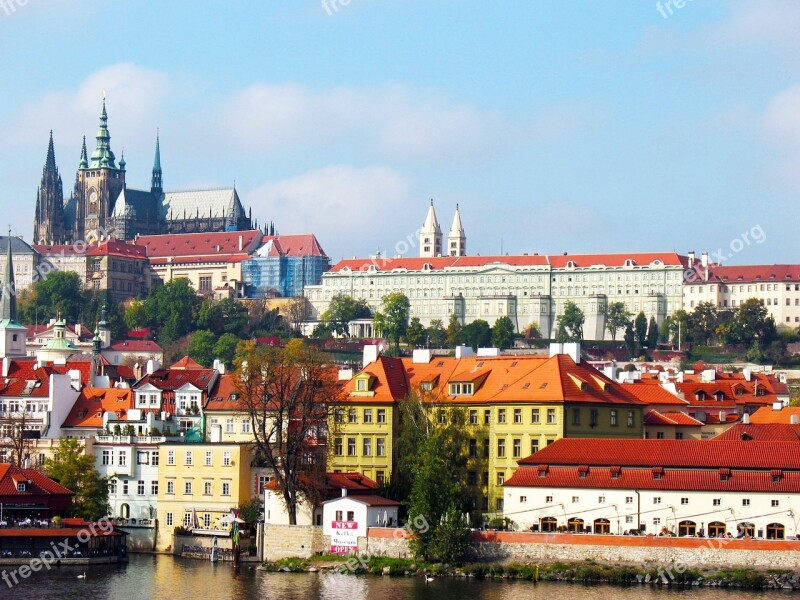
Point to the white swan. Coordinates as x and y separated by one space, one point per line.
82 576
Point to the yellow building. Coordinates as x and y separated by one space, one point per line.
200 483
225 415
512 407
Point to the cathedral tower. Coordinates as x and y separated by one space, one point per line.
48 227
99 182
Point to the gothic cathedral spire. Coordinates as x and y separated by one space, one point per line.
156 183
48 225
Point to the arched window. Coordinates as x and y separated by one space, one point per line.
602 526
575 525
549 524
687 528
716 529
776 531
746 530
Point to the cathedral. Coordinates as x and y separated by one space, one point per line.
102 205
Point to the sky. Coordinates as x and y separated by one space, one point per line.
556 126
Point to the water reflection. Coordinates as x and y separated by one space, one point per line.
166 577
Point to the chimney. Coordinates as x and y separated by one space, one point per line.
746 418
421 357
344 492
152 366
794 419
464 352
704 259
691 258
241 243
556 348
574 351
370 354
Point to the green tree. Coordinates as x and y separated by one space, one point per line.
630 340
105 307
503 333
209 316
454 329
640 327
392 320
250 513
531 333
201 347
341 311
752 324
680 326
570 323
617 318
437 336
60 292
477 334
702 323
136 315
415 333
225 348
74 469
652 334
171 309
429 446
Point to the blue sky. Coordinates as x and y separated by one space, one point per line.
556 126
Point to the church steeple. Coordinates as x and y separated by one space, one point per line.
430 236
156 183
50 162
84 164
102 155
48 224
457 238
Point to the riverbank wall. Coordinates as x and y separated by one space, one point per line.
283 541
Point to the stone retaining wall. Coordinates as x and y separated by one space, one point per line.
284 541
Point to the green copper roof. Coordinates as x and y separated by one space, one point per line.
84 160
156 183
103 157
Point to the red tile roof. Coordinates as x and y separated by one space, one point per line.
668 453
641 478
39 483
754 273
557 261
354 483
201 247
649 393
120 249
92 403
224 396
58 249
370 500
771 432
671 419
172 379
186 363
292 245
147 346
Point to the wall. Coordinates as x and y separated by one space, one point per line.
282 541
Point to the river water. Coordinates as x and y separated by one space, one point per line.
148 576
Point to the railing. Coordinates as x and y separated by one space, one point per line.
133 439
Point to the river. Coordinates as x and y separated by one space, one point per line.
149 576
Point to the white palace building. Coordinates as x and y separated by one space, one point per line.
530 288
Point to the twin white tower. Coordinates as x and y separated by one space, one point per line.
430 237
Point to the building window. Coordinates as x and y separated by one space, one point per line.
745 501
517 448
207 487
473 448
776 503
245 425
684 501
187 519
631 418
112 487
716 501
613 418
486 448
601 499
229 425
154 488
501 478
351 446
154 458
656 520
501 448
518 415
226 458
657 500
576 416
338 447
381 415
187 488
352 416
207 521
551 416
338 415
473 417
575 499
140 487
535 416
123 458
226 488
107 457
189 458
170 487
523 499
380 477
367 415
205 284
628 499
487 416
367 446
501 415
548 499
208 458
534 446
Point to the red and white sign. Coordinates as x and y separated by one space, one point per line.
344 537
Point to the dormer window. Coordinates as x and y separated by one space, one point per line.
571 264
361 385
719 396
461 389
724 474
658 472
21 487
629 262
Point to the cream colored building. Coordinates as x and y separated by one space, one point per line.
777 286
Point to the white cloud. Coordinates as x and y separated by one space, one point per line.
346 207
781 126
775 22
134 96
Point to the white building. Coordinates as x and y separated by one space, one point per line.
347 518
681 487
777 286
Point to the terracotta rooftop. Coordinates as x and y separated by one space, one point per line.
92 403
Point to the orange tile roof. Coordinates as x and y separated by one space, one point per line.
223 395
766 432
766 414
186 363
92 403
649 393
671 419
40 483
